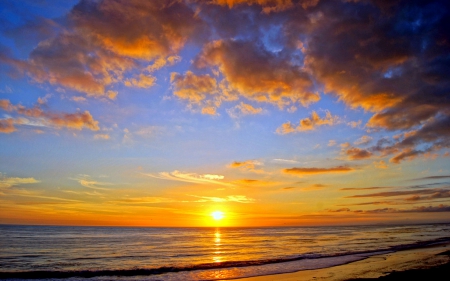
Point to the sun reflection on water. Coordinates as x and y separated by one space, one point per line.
217 246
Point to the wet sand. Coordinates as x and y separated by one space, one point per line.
430 263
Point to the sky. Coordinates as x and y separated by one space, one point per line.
273 112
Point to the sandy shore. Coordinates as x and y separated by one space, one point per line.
428 259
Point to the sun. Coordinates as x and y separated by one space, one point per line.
217 215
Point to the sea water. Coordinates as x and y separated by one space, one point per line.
123 253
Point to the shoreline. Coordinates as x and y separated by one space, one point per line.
401 265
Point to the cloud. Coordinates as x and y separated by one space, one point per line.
101 136
367 62
249 181
243 109
436 195
7 182
6 105
308 124
363 140
364 188
401 193
143 200
312 171
258 74
102 41
419 209
77 121
39 117
332 143
355 153
371 203
231 198
285 160
143 81
78 99
432 177
7 126
354 124
267 6
249 165
191 177
88 182
197 90
380 164
313 187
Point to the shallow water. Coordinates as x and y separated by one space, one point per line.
105 253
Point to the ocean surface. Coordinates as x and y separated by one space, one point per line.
119 253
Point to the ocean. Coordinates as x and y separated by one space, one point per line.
130 253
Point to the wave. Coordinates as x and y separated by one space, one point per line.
44 274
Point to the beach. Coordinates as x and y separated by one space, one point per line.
429 262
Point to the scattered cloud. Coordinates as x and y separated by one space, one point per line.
197 90
143 81
231 198
419 209
312 171
249 165
364 188
7 126
101 136
380 164
103 41
87 181
355 124
355 153
332 143
432 178
191 177
37 116
363 140
285 160
255 73
7 182
243 109
313 187
308 124
401 193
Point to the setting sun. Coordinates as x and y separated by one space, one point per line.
217 215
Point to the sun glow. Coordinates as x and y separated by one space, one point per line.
217 215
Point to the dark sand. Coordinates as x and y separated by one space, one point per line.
430 263
439 272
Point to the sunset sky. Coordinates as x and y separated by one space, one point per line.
274 112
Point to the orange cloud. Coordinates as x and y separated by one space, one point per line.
249 165
363 140
243 109
258 74
199 90
7 126
77 121
380 164
311 171
417 192
355 153
308 124
106 40
191 87
6 105
101 137
143 81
